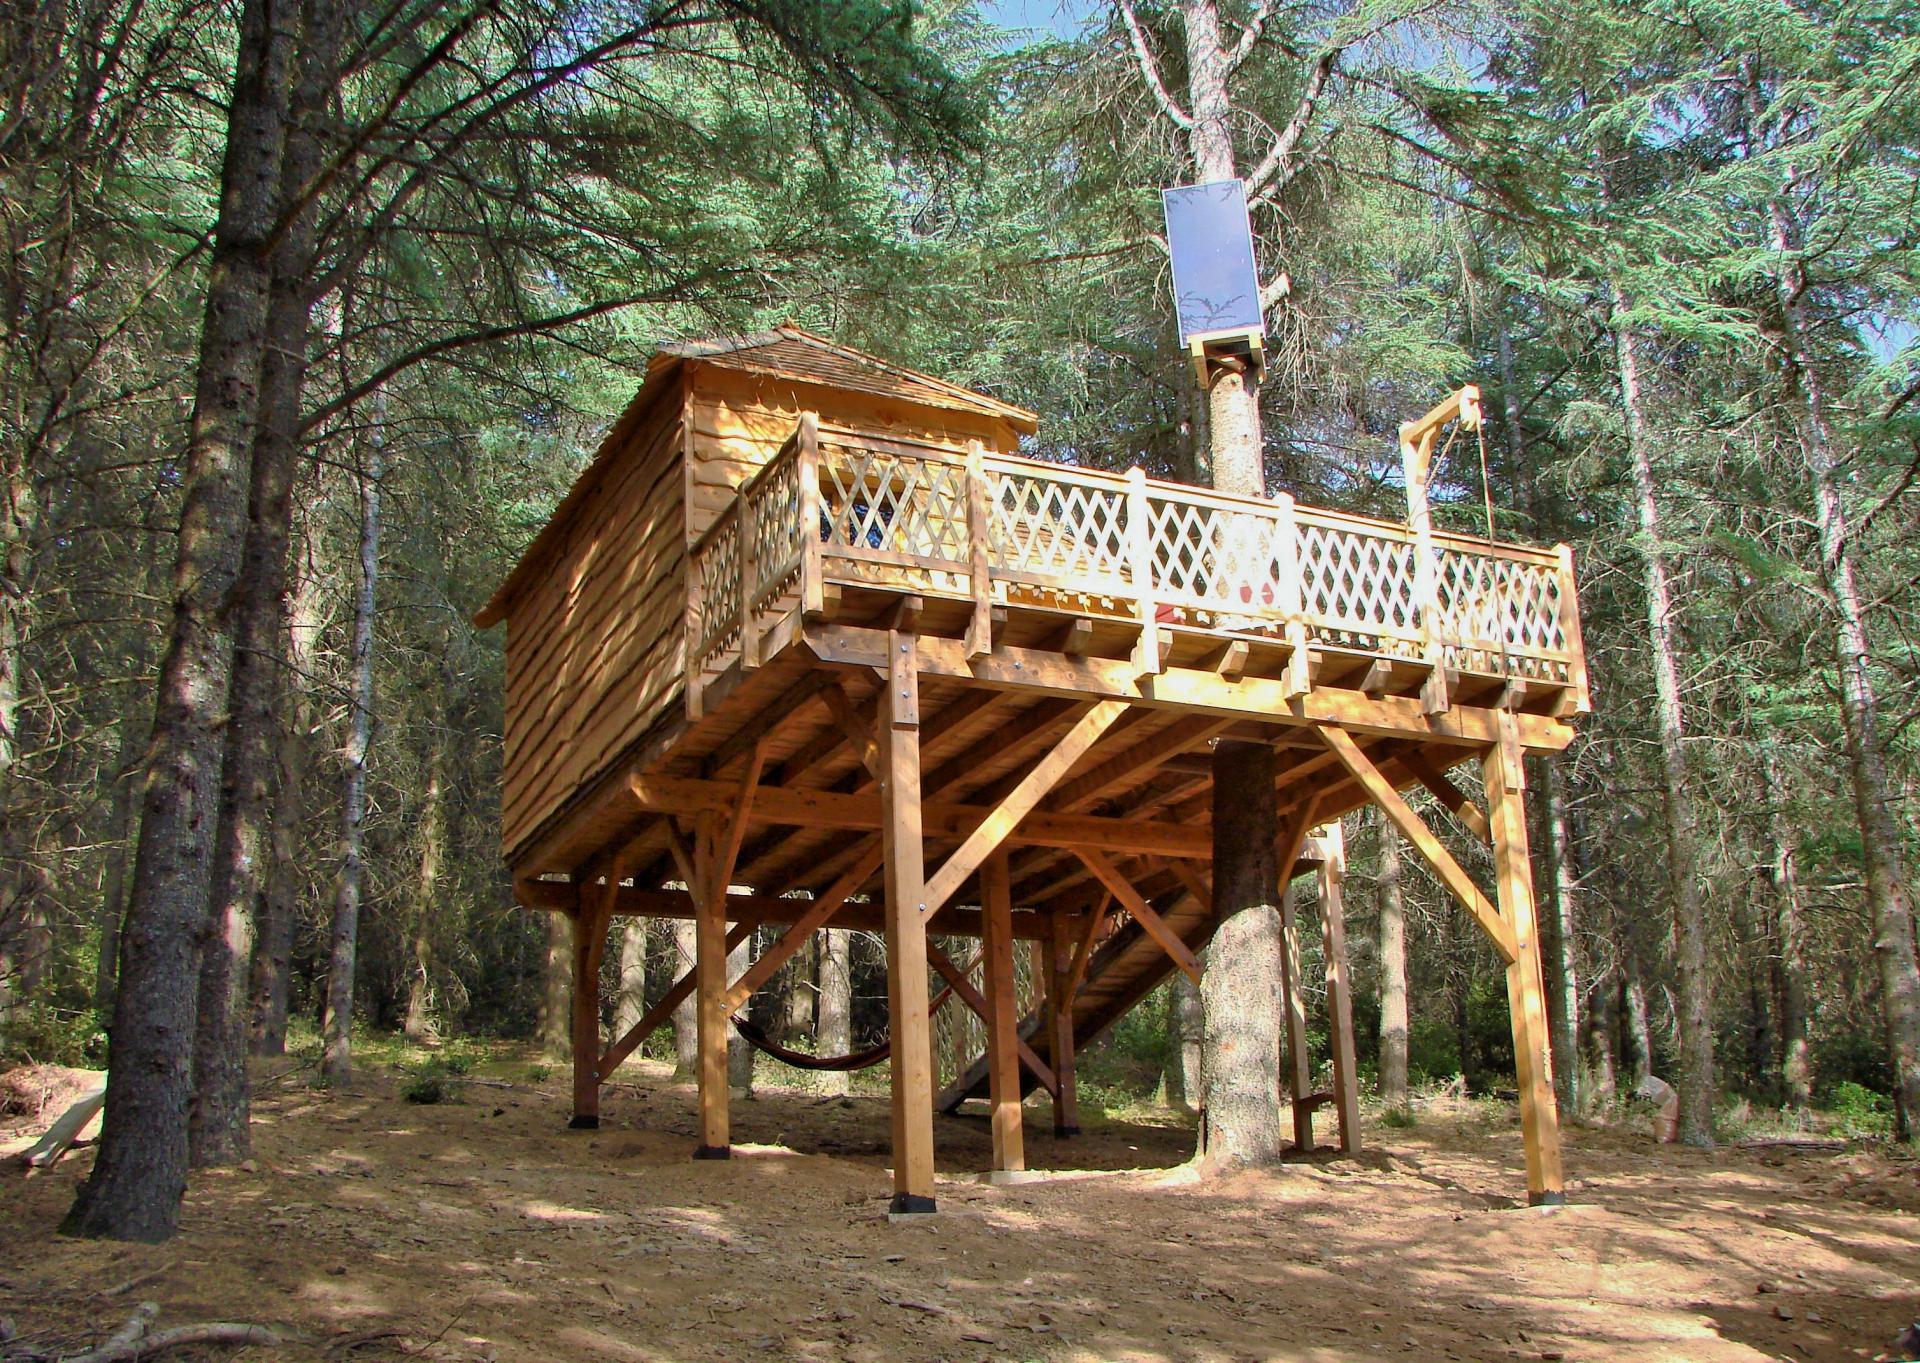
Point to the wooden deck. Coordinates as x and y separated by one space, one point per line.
928 690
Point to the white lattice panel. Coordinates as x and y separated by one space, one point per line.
773 526
1049 529
1213 557
717 570
1356 584
1511 605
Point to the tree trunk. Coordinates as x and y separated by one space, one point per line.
1789 930
419 1021
270 976
686 1020
632 1000
1559 956
1889 900
1241 985
1639 1027
336 1065
217 1124
1694 1004
554 1029
739 1053
1600 1048
833 1034
113 904
1192 1018
140 1173
1393 972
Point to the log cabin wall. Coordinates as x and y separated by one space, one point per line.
594 638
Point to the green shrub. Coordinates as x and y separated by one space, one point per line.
39 1033
1401 1117
1860 1111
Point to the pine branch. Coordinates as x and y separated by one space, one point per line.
1150 70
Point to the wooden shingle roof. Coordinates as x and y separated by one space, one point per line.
790 352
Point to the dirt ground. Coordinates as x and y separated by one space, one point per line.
369 1228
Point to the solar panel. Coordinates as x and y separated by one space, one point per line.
1215 288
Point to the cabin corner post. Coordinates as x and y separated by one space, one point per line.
1003 1022
710 985
589 922
1539 1115
898 722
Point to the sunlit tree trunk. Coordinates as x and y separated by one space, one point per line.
632 1001
336 1064
554 1028
833 1033
1694 1002
419 1020
686 1032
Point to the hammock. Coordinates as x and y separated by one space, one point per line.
800 1060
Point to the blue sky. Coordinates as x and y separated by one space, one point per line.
1061 18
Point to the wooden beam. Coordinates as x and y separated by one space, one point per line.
1448 794
1299 1067
1058 1019
1179 737
1144 913
737 825
1333 943
1083 950
862 812
811 685
912 1059
859 734
1002 1018
1414 829
710 979
1018 803
1539 1116
1261 698
656 1016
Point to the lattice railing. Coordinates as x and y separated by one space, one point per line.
995 529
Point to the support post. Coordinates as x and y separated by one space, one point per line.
710 984
1333 938
899 724
1058 952
1539 1116
1299 1069
589 945
1003 1021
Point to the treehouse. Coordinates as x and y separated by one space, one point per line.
809 643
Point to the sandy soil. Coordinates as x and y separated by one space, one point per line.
480 1229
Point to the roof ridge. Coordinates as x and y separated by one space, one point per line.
798 332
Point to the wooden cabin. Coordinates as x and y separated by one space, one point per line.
810 643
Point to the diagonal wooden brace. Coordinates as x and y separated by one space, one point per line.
650 1021
803 928
1414 829
963 989
1143 912
1021 801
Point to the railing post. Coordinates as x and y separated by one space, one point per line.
1570 632
979 571
1292 603
813 596
695 627
1146 653
1415 455
749 574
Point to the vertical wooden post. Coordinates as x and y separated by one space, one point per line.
590 919
1003 1019
1416 455
710 984
1058 951
1298 678
1505 779
979 565
749 575
899 725
1146 653
813 595
1299 1070
1570 631
1333 938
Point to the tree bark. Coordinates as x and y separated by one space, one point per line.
632 1000
833 1033
554 1028
1393 972
739 1054
1600 1047
419 1020
1789 931
1558 952
217 1123
1192 1019
1694 1001
270 975
1241 985
1889 898
686 1020
336 1065
140 1173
